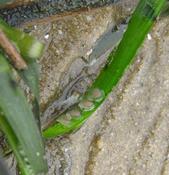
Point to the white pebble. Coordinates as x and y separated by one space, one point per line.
149 37
46 36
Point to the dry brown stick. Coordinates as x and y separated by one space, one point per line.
12 52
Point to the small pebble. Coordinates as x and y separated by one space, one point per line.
149 37
46 36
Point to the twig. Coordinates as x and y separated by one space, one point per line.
12 52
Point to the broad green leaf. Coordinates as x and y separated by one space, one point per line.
13 141
30 49
31 78
19 117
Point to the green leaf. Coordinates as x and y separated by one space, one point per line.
24 133
27 45
30 49
13 141
31 78
140 23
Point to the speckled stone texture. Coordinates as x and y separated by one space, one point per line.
14 3
67 40
129 133
45 8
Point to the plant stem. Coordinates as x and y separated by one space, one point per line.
27 45
11 51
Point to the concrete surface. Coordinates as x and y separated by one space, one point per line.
129 133
27 10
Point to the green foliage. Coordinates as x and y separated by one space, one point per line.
17 120
27 45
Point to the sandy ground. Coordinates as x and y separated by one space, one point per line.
129 133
